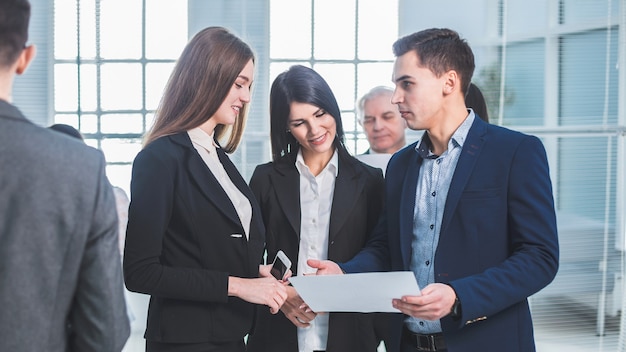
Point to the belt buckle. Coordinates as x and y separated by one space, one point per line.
426 343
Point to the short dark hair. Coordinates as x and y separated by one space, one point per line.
14 18
67 129
303 85
440 50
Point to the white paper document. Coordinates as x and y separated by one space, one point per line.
362 292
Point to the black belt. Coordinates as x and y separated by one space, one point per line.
422 342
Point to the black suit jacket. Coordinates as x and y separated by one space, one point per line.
357 203
184 239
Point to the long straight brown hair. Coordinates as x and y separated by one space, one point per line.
201 80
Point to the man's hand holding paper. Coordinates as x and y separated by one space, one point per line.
434 302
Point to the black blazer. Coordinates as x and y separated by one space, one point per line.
357 203
184 239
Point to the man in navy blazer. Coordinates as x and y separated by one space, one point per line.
469 209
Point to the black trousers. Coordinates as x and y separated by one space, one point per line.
231 346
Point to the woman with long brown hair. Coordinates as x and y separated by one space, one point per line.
195 236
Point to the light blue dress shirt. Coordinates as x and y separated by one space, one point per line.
433 183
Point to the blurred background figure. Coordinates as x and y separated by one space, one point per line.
382 124
121 198
381 121
67 129
474 99
121 205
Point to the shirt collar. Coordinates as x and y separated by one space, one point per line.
203 139
332 165
423 147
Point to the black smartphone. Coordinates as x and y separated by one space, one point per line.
280 265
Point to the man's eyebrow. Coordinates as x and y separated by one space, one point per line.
402 78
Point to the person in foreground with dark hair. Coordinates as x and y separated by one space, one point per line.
195 236
468 208
317 202
61 283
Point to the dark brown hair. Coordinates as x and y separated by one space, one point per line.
440 50
14 18
474 99
201 80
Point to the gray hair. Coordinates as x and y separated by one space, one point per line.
373 93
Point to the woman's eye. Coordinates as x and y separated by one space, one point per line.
321 113
239 85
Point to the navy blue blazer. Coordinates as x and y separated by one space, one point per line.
498 243
184 238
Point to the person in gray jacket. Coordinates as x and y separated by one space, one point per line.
61 283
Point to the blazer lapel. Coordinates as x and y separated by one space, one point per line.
243 187
205 180
407 205
348 187
286 183
467 160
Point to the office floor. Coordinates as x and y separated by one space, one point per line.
574 334
575 330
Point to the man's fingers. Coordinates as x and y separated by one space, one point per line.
315 263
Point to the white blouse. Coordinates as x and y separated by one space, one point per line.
206 147
316 200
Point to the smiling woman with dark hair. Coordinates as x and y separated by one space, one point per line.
317 202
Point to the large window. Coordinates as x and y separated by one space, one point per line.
111 62
561 74
554 69
112 59
561 82
347 42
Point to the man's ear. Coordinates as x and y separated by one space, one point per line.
27 55
451 82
